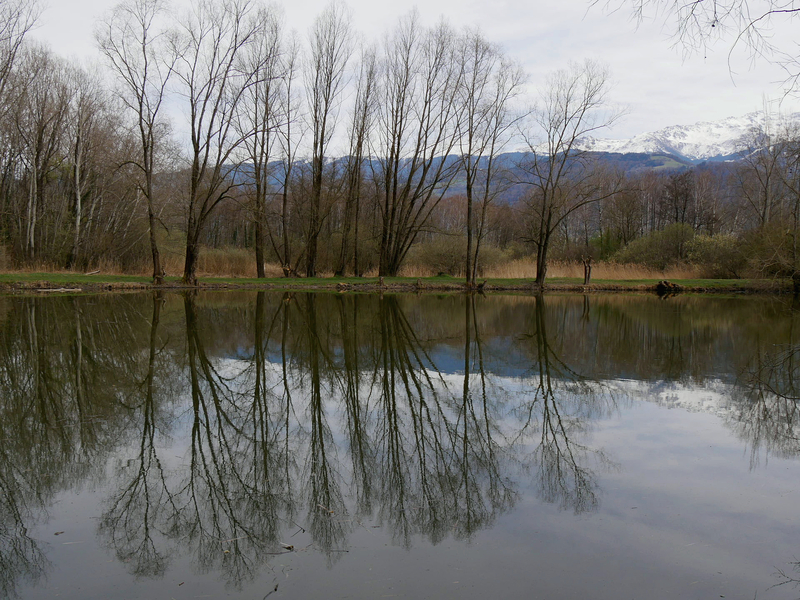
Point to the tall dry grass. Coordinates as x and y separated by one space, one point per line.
525 268
238 262
610 270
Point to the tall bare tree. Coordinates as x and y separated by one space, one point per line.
85 119
489 86
331 43
17 17
40 117
759 173
133 40
290 134
417 130
260 118
211 46
573 104
361 122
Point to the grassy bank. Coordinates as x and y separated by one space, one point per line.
78 282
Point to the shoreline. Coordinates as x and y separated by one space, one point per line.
47 283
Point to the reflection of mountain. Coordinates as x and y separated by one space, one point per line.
217 424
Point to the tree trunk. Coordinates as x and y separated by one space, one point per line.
192 252
76 240
541 261
158 269
313 234
342 262
470 274
287 259
260 241
356 268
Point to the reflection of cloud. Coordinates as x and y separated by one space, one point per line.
764 420
712 398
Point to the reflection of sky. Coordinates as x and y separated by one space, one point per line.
681 513
501 355
515 377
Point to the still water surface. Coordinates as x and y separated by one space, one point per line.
253 445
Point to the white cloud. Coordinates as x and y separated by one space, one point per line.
651 77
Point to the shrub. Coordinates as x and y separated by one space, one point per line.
717 255
770 250
443 254
448 254
659 249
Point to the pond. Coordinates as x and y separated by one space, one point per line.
299 445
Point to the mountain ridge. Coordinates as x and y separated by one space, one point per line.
703 141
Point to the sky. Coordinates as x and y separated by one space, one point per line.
652 79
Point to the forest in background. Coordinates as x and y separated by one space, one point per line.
216 141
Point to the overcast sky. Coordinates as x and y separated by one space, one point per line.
651 78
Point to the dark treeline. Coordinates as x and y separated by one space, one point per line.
326 153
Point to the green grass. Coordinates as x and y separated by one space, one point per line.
443 280
75 278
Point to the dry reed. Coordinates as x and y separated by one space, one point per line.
237 262
617 271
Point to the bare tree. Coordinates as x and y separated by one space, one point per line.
759 173
134 42
331 46
363 116
697 25
489 85
559 174
40 116
17 17
290 134
88 105
210 47
418 129
791 179
260 118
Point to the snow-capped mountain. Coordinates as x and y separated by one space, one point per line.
703 141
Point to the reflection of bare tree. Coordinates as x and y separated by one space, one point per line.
60 379
228 515
326 507
268 433
765 404
145 504
226 502
356 406
344 410
561 407
436 456
21 557
767 413
479 466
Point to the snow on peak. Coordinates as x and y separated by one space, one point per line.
705 140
